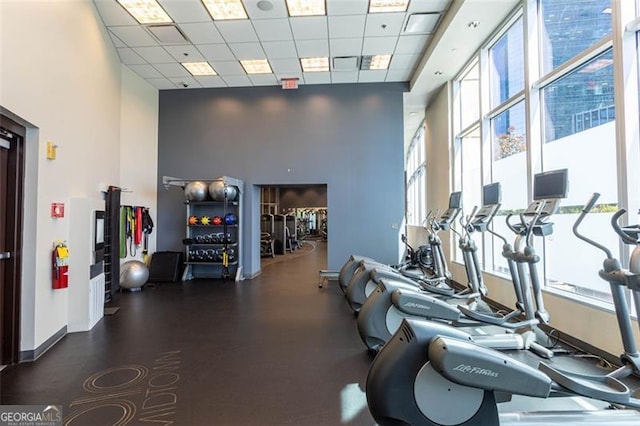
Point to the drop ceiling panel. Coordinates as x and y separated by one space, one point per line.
371 76
146 71
379 45
309 27
346 26
344 77
281 76
247 50
273 29
280 49
398 75
161 83
237 31
202 33
346 47
284 66
317 77
172 70
263 79
186 11
312 48
404 62
186 53
114 14
412 44
211 81
350 7
154 54
129 57
116 41
216 52
190 82
237 81
225 68
134 36
384 24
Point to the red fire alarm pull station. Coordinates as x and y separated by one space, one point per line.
57 210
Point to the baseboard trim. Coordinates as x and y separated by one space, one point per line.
33 355
252 276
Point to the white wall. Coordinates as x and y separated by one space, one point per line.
139 147
61 76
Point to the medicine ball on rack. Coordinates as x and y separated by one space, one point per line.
217 220
230 219
205 220
219 191
193 220
196 191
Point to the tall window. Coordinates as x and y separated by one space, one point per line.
416 179
508 143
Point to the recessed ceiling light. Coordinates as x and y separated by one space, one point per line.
256 66
306 7
375 62
315 64
199 68
221 10
146 11
438 73
265 5
473 24
380 6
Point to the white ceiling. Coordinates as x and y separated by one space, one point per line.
347 30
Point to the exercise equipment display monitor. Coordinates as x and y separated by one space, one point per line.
551 185
491 194
455 200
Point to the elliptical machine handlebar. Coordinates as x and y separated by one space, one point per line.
626 232
586 209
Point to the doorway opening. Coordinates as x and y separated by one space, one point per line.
12 160
293 220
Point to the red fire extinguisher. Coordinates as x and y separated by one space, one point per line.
60 268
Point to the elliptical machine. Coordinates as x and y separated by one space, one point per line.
422 377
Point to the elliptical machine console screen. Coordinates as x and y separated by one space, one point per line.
548 189
491 194
491 197
452 212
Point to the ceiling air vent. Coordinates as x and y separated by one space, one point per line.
345 63
421 23
168 34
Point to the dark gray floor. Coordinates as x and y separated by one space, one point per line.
275 350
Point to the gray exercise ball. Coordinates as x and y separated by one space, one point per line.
196 191
217 191
133 275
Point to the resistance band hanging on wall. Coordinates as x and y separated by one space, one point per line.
135 225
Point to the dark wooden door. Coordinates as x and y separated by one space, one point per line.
12 162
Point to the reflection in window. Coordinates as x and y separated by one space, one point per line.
588 151
570 27
509 167
416 179
469 97
581 100
507 65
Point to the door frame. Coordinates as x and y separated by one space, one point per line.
12 291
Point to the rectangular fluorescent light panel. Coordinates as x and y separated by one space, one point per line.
256 66
306 7
381 6
221 10
146 11
315 64
199 68
375 62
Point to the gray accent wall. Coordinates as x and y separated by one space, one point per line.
301 197
347 136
